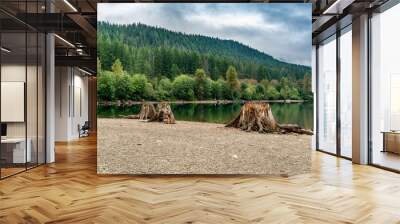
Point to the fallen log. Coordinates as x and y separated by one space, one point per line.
133 116
294 128
259 117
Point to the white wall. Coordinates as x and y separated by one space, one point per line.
71 87
33 126
62 82
14 72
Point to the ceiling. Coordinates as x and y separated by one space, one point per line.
330 15
74 21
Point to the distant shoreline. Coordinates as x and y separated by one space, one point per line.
130 102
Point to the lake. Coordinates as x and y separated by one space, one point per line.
293 113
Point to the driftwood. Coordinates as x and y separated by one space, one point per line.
294 128
148 112
259 117
133 116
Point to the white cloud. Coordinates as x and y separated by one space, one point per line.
262 26
233 20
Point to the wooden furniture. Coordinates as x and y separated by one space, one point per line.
13 150
391 141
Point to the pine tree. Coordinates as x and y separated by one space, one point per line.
175 71
233 82
117 67
200 86
232 78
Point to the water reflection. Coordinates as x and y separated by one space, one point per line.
296 113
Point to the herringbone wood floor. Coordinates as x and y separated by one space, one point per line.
69 191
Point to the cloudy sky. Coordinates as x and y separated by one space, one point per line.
280 30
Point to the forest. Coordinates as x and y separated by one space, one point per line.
140 62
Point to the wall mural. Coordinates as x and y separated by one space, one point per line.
204 88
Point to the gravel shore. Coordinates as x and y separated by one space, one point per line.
136 147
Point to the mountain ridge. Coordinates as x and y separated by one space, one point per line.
213 54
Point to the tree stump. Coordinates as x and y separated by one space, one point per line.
148 112
164 114
259 117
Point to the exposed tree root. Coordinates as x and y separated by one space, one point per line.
164 114
148 112
259 117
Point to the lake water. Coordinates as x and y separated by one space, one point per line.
294 113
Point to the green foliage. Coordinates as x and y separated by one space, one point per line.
272 93
202 85
249 93
294 94
137 84
149 92
175 71
164 89
215 90
105 86
122 85
231 78
139 62
243 86
225 90
138 87
98 66
117 68
159 52
260 92
233 83
182 87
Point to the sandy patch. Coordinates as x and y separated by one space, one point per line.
134 147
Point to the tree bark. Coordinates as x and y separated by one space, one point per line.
164 114
259 117
148 112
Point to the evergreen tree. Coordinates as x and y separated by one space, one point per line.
232 80
183 87
122 85
160 57
201 87
105 86
175 71
117 67
153 51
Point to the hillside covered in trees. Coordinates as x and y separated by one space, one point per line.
140 62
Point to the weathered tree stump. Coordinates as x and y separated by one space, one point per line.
148 112
259 117
164 114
